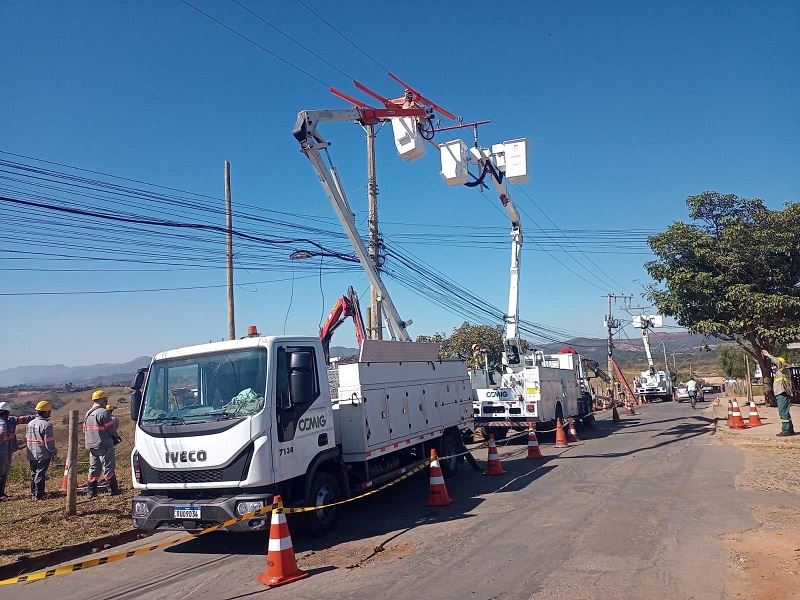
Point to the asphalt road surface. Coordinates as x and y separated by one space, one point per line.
634 510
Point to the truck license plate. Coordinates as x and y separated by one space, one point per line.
186 512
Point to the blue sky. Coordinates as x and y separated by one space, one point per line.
630 107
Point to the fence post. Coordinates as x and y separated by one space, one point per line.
72 460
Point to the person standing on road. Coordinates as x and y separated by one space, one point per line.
782 387
100 434
41 444
691 387
8 442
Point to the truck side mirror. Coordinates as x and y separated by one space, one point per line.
138 379
136 404
301 379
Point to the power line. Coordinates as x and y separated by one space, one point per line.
256 44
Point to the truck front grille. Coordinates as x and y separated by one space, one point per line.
205 476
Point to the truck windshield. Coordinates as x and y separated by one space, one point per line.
216 386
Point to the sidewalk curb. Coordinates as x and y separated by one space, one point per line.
30 564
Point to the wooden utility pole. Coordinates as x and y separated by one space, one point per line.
72 463
229 235
749 383
375 326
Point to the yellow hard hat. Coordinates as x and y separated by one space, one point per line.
781 360
110 407
99 395
43 406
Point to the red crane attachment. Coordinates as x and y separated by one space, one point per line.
346 306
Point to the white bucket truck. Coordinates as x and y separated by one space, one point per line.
549 387
223 427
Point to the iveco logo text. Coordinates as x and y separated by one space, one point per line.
310 423
190 456
497 394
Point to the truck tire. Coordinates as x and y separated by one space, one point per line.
448 449
324 490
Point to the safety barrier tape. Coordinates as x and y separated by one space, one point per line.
95 562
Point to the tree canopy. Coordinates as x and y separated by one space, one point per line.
459 344
732 273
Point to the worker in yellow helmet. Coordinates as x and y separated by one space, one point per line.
100 436
41 443
782 386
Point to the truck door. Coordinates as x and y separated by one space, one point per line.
303 419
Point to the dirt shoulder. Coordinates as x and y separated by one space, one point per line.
764 562
38 532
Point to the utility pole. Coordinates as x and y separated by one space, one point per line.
229 236
611 324
374 325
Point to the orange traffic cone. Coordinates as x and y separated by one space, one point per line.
629 408
736 417
437 493
615 416
572 433
533 444
493 467
730 410
753 419
281 565
561 439
64 479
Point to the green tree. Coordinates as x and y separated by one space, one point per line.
733 273
731 361
436 338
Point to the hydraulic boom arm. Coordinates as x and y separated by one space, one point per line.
346 306
312 144
511 344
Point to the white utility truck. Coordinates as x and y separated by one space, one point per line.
652 384
533 387
223 427
549 387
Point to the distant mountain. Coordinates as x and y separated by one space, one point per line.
344 351
95 374
59 374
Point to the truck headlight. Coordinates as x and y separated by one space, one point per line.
242 508
140 509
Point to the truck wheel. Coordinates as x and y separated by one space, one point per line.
324 490
448 460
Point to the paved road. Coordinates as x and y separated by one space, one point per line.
633 511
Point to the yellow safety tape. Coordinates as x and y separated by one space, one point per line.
267 509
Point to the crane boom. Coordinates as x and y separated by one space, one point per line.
512 342
312 144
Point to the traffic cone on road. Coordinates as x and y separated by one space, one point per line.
281 565
561 439
753 418
572 433
493 467
64 479
629 410
437 493
615 416
736 417
730 410
533 444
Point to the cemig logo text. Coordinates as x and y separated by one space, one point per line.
310 423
